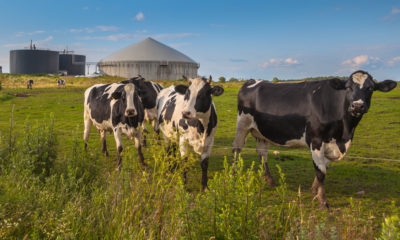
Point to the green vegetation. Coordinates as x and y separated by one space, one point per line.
221 79
51 188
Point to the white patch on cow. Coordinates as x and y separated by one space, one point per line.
316 89
301 142
130 90
319 158
360 78
359 101
255 84
196 85
332 151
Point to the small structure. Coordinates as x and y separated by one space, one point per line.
150 59
1 70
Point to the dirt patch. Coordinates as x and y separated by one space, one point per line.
394 123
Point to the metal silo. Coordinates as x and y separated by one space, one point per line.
73 64
151 59
1 70
28 61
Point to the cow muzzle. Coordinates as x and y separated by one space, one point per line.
357 109
130 113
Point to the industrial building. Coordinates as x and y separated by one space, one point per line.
29 61
33 60
151 59
72 64
1 70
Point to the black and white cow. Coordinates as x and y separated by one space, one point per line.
114 107
29 84
60 82
148 92
187 114
320 115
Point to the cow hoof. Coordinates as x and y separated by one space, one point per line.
270 181
325 205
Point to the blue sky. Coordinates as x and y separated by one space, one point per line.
242 39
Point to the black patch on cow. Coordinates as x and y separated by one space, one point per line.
203 99
172 93
187 95
99 103
197 124
183 124
169 108
212 122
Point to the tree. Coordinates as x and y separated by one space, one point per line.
221 79
275 80
232 79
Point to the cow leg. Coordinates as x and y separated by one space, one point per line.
138 146
320 164
183 149
118 141
262 153
156 130
145 132
242 129
103 135
88 125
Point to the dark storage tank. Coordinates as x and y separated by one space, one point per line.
28 61
73 64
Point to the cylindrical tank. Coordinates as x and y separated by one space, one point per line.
1 69
73 64
28 61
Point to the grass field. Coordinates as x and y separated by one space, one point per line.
50 188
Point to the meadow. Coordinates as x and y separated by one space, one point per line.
50 188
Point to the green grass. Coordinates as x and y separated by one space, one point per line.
81 182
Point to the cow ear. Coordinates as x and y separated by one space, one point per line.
116 95
209 80
184 77
217 90
181 89
338 84
385 86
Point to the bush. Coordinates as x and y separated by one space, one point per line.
232 79
221 79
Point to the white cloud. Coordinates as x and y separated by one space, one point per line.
21 34
22 45
85 8
394 11
174 35
394 61
139 16
95 29
362 61
273 62
112 37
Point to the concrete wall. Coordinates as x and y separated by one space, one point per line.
150 70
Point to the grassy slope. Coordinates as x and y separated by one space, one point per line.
376 136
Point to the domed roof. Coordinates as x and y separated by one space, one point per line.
148 50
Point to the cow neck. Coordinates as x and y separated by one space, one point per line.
350 123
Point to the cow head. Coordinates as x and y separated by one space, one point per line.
197 100
126 96
359 88
146 92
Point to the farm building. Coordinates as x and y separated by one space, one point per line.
151 59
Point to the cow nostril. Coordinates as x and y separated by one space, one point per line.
186 113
